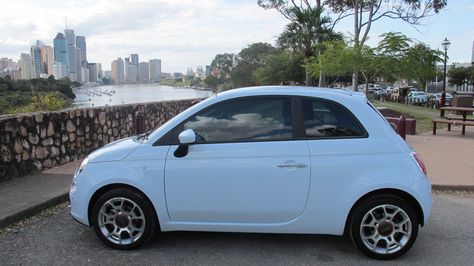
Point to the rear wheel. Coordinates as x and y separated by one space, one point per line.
123 218
384 227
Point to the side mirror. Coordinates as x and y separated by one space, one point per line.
187 137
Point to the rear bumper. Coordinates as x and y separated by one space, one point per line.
422 189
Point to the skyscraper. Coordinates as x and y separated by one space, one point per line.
93 72
61 53
47 60
26 66
134 59
78 65
35 53
155 69
144 71
71 51
81 44
118 71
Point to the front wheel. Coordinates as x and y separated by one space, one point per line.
384 227
123 218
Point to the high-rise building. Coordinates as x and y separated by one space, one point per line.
35 53
58 69
93 72
84 74
71 51
131 73
118 71
61 54
81 44
47 60
78 65
155 69
200 72
26 66
208 71
6 63
134 59
144 71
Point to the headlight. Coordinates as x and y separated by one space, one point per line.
82 166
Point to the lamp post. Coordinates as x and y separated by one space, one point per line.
445 45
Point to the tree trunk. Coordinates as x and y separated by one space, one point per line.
309 79
355 81
322 79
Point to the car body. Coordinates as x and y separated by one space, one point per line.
417 97
434 99
261 159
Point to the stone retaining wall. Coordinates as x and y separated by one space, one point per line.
34 141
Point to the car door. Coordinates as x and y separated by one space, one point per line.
246 166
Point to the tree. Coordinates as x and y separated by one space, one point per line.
420 64
366 12
248 61
308 27
224 63
284 67
459 75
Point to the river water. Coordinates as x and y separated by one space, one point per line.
133 93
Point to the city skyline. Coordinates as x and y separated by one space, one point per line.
192 36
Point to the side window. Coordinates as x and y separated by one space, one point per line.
247 119
323 119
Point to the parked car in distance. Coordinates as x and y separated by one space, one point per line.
417 97
434 100
399 94
265 160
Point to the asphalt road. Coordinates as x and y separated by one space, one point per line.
53 238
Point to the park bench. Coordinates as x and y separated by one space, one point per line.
450 122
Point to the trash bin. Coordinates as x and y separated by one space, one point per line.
462 100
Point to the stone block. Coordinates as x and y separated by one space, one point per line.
70 127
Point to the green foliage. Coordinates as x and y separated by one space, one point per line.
281 68
18 94
419 64
50 101
459 75
392 59
248 61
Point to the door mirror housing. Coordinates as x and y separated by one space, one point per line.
187 137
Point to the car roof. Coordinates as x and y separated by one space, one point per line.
330 93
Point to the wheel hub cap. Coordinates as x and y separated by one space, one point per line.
385 228
122 220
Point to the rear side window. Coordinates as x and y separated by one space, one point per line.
325 119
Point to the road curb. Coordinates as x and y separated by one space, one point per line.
32 210
453 187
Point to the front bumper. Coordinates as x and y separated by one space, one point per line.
79 200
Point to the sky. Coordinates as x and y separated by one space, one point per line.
189 33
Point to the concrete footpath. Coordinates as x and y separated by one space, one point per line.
448 157
26 196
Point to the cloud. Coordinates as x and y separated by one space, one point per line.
183 33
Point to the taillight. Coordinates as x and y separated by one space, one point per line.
419 162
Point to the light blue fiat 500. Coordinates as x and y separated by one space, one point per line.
261 159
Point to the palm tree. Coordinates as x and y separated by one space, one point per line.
306 31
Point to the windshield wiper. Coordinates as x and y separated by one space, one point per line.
144 136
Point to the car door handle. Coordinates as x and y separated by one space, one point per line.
291 165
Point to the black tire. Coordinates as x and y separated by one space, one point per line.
149 217
374 202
